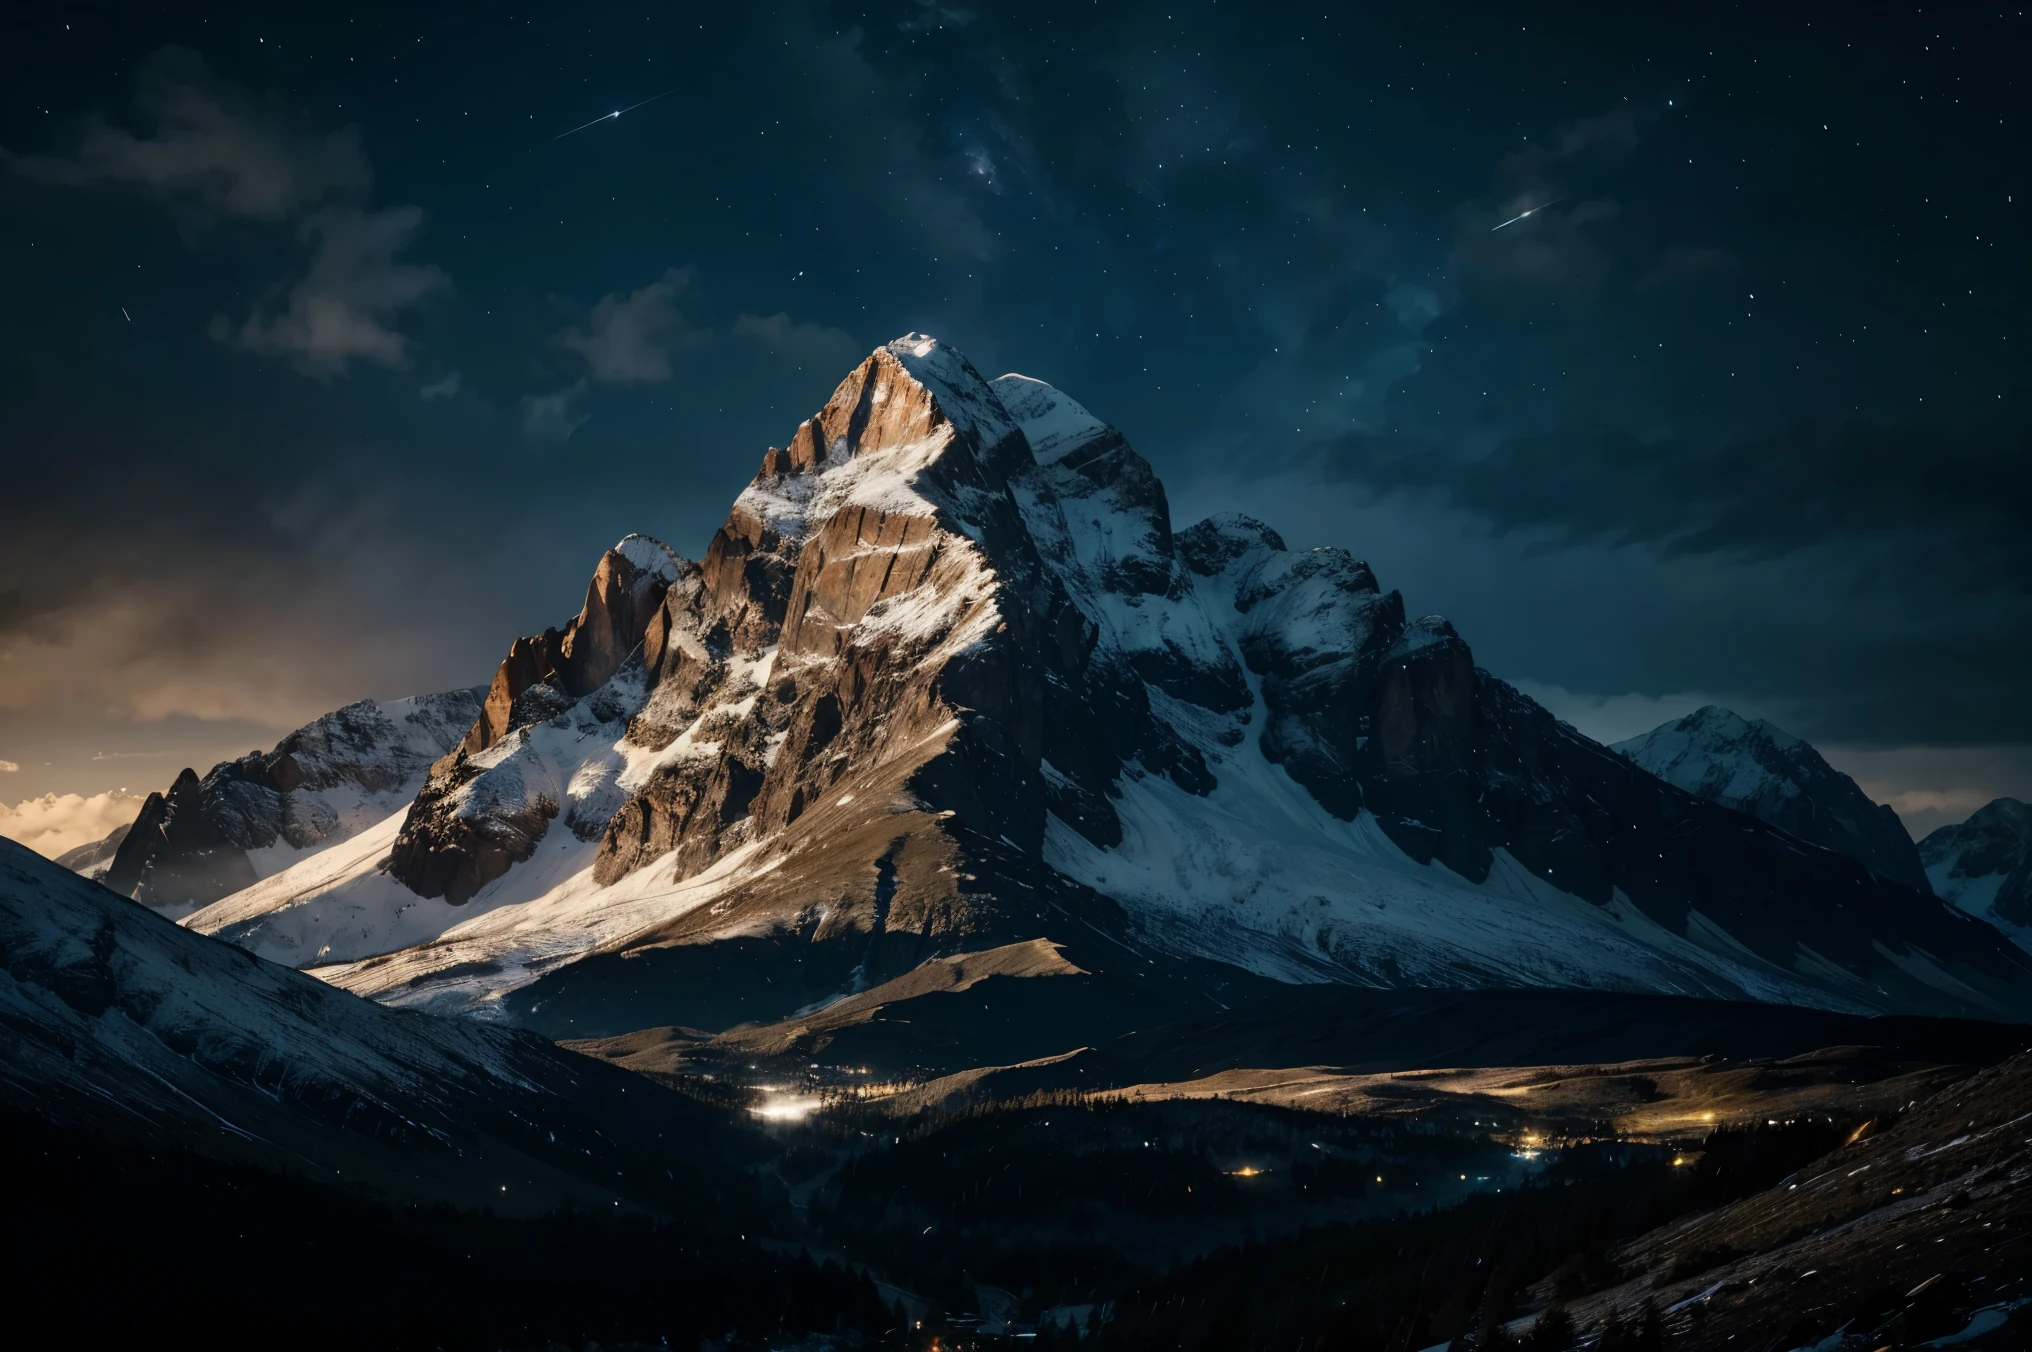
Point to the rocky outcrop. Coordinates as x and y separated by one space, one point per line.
626 590
191 845
1760 769
491 799
1984 865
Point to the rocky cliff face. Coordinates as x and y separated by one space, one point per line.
489 801
1984 865
208 837
1772 775
948 679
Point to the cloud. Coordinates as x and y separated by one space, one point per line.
1968 489
1561 243
128 755
551 417
1932 787
218 150
344 307
57 822
441 389
212 147
801 341
628 339
8 767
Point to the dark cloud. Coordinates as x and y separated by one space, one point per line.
808 345
553 417
345 307
628 340
222 151
214 147
1957 497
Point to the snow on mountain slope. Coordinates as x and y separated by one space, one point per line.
248 819
350 903
1760 769
1259 874
1984 866
115 1021
947 680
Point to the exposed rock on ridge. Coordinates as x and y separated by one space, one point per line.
190 845
486 806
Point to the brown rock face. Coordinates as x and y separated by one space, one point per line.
869 634
620 602
461 834
442 853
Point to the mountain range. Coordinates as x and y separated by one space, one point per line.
948 681
1145 915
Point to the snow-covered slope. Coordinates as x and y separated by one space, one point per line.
1984 866
1765 771
947 680
250 818
115 1021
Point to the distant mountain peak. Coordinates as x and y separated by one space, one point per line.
1984 865
1755 766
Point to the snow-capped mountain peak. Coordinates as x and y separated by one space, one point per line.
1756 767
1984 865
948 679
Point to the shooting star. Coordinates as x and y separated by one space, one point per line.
1522 214
124 315
604 117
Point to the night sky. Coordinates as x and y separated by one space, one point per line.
328 370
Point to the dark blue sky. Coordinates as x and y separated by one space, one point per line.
327 376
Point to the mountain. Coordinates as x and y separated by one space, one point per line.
1760 769
248 818
947 681
119 1024
94 859
1984 866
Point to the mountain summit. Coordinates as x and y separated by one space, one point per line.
1758 768
947 680
1984 865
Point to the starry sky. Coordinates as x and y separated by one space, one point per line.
342 341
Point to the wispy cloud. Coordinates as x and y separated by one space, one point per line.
218 150
213 147
628 338
552 417
345 307
801 341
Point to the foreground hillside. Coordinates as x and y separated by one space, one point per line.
116 1023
